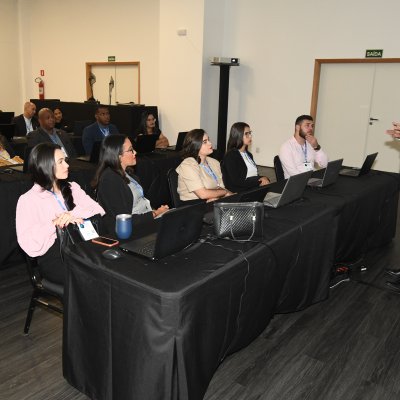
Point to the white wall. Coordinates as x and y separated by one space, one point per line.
278 42
61 36
213 46
180 67
10 99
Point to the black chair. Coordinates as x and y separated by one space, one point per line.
280 176
7 130
6 117
45 293
79 126
172 177
7 146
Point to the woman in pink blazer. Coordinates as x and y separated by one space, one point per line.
52 201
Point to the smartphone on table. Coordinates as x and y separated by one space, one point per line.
104 241
88 232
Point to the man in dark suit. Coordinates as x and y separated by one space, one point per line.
97 131
47 133
27 121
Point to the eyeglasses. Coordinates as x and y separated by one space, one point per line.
249 133
130 150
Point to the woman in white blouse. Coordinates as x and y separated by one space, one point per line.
238 167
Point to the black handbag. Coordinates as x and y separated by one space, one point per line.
239 220
69 235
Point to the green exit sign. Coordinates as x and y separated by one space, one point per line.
111 58
373 53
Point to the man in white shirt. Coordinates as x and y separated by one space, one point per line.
27 121
301 152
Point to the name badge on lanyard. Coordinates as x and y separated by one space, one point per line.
308 167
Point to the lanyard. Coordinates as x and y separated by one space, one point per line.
104 130
210 172
249 159
58 200
304 150
138 187
54 138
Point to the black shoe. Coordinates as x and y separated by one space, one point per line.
393 286
395 273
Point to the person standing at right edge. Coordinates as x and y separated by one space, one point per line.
394 283
301 152
395 132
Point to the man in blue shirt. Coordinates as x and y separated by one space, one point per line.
97 131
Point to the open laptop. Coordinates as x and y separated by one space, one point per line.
292 191
177 229
145 143
330 176
366 167
179 142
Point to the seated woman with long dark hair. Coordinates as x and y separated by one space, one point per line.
118 191
199 175
239 170
148 126
51 202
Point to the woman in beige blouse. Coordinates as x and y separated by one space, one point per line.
200 176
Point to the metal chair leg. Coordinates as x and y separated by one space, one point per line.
29 316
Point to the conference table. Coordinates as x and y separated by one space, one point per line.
156 330
366 210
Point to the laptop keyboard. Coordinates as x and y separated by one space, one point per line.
272 201
352 172
314 182
148 249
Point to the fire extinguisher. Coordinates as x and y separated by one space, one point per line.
40 83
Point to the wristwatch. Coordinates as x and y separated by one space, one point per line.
317 148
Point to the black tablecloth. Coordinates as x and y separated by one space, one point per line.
136 329
366 209
159 330
11 187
